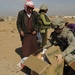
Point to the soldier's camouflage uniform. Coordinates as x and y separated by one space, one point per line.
66 41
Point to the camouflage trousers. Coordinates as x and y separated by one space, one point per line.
70 58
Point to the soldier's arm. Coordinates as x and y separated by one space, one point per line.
51 41
71 42
47 45
44 20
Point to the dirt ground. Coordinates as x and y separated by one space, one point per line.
10 45
10 48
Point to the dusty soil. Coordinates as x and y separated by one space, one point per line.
10 48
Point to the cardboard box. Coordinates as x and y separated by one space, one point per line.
40 67
56 69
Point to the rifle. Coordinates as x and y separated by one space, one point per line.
60 41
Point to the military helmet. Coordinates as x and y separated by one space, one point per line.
43 7
58 23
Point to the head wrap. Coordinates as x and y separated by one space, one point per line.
28 3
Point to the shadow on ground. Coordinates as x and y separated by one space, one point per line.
19 52
26 70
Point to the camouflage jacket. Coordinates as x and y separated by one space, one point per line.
65 40
44 22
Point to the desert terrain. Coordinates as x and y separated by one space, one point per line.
10 48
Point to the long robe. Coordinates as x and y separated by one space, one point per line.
29 45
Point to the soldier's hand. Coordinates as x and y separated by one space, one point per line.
59 58
22 33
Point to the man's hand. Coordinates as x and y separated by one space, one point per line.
22 33
34 32
59 58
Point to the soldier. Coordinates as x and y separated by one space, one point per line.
65 39
45 22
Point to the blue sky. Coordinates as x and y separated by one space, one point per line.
56 7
